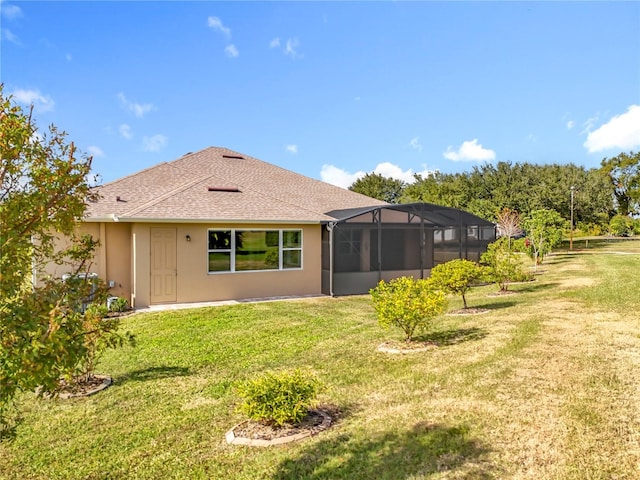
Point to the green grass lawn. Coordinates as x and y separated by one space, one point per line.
544 386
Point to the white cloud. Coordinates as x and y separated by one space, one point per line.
415 144
95 151
10 11
621 132
341 178
588 125
138 109
231 51
470 150
291 48
216 24
388 169
125 131
68 57
532 138
154 144
291 148
10 37
570 124
338 177
42 103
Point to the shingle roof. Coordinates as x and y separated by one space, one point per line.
217 184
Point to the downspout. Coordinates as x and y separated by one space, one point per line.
102 258
379 244
330 227
134 268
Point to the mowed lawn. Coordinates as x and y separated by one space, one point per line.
544 386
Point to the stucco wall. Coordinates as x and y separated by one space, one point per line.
117 248
112 258
195 284
124 258
52 270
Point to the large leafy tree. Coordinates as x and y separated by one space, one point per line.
448 189
44 190
489 189
378 186
623 172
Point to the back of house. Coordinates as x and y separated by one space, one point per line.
220 225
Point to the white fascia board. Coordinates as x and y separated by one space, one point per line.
115 218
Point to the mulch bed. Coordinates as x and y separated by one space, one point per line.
126 313
253 429
258 434
81 387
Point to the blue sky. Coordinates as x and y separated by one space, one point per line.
331 90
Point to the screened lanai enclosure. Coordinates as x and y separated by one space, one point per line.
366 245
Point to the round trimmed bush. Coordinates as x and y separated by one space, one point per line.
278 398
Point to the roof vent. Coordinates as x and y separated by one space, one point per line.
237 157
224 189
118 199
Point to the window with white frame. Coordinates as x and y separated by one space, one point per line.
235 250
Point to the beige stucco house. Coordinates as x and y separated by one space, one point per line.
219 225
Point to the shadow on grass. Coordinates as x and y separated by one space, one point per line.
497 305
556 258
9 421
153 373
453 336
425 449
535 287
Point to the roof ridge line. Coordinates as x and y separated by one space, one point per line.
118 180
166 195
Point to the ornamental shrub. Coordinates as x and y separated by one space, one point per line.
278 398
456 276
408 303
503 265
621 226
100 333
118 304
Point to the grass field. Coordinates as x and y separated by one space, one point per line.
544 386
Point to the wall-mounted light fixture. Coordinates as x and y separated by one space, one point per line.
188 237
